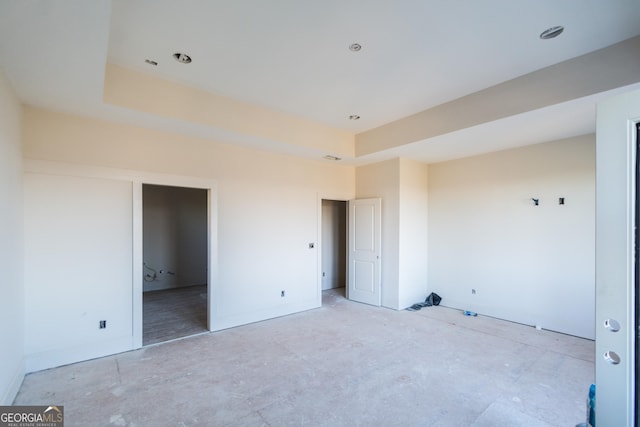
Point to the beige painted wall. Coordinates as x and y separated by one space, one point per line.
383 180
78 264
66 138
529 264
11 236
267 210
144 92
412 257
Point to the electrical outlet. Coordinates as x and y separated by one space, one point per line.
103 324
282 294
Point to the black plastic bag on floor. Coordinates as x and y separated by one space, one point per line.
432 299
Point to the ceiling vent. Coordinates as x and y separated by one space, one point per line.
182 58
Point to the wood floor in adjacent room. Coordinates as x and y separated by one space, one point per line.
174 313
345 364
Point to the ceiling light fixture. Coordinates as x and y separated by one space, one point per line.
330 157
182 58
151 62
354 117
551 33
355 47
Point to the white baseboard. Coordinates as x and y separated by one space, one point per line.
220 323
65 356
11 391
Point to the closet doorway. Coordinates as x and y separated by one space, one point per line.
334 247
175 255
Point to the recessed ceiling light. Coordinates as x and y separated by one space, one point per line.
330 157
551 33
151 62
355 47
354 117
182 57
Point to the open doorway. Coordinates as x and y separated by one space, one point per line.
175 255
334 249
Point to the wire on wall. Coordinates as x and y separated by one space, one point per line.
150 274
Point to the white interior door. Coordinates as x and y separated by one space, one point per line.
364 251
616 155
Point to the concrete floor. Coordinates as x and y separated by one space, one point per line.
345 364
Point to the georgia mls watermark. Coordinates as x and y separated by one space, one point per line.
31 416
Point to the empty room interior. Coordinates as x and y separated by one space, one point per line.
218 213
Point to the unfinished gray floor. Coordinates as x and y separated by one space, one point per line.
173 313
345 364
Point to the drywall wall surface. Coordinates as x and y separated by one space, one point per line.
11 236
267 205
412 256
383 180
78 264
529 264
174 237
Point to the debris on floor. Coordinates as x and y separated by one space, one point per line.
432 299
470 313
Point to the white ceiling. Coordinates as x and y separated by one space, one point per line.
293 56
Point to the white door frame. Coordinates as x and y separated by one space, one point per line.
212 240
615 259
